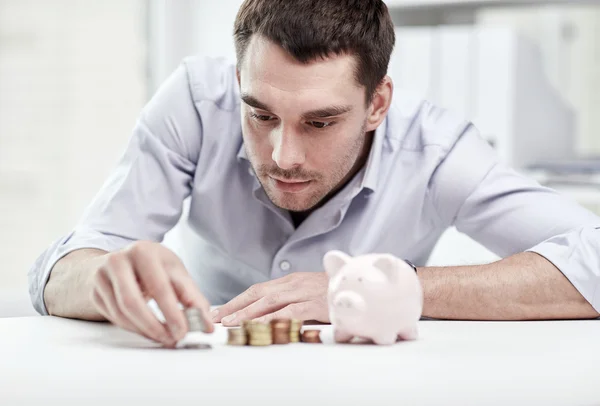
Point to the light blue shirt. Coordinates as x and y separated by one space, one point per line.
427 170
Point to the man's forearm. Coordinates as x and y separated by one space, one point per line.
69 288
525 286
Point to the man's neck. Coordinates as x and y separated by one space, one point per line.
299 216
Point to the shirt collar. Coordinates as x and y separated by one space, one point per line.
242 152
371 170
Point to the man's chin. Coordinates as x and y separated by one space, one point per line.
292 202
295 206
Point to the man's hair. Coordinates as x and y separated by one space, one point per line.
312 29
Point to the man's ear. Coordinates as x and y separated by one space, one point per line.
380 104
333 261
388 264
237 75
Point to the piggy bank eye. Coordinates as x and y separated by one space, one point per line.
360 279
343 278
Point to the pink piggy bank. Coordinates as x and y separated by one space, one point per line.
376 297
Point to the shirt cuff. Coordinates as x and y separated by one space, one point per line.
577 255
80 238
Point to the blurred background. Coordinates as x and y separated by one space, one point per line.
74 75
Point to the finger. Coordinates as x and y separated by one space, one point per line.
189 296
130 301
244 299
300 311
269 303
156 281
100 305
120 319
104 292
106 302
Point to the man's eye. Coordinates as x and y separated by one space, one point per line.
260 117
319 124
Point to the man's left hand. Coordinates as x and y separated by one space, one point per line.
300 295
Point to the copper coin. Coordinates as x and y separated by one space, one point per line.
281 338
311 336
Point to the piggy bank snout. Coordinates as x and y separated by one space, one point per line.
348 300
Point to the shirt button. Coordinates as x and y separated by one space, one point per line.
285 265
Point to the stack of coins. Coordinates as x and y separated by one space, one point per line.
295 326
311 336
259 334
237 336
194 320
280 330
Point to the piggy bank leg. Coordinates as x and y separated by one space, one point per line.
410 334
386 339
342 336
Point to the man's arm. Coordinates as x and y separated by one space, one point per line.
73 277
550 244
140 201
524 286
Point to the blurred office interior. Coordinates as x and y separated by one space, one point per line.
74 75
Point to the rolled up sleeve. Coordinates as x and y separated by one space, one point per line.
577 254
142 198
509 213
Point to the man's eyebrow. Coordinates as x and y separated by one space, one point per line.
325 112
331 111
254 102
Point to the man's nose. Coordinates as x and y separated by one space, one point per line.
287 149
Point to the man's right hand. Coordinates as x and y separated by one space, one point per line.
125 280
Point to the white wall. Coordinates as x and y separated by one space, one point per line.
72 81
569 38
185 27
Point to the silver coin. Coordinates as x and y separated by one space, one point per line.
194 319
195 346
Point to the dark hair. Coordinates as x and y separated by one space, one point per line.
309 29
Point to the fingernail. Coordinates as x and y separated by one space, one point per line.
214 314
229 318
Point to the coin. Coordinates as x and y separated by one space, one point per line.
236 336
194 319
295 326
280 329
260 329
257 343
260 337
259 334
311 336
281 323
195 346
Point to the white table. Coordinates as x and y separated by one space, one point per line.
54 361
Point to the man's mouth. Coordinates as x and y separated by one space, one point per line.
290 185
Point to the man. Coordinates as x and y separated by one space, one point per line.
301 148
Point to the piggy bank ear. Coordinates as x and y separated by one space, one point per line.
389 265
333 261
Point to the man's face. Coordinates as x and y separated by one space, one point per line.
303 124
